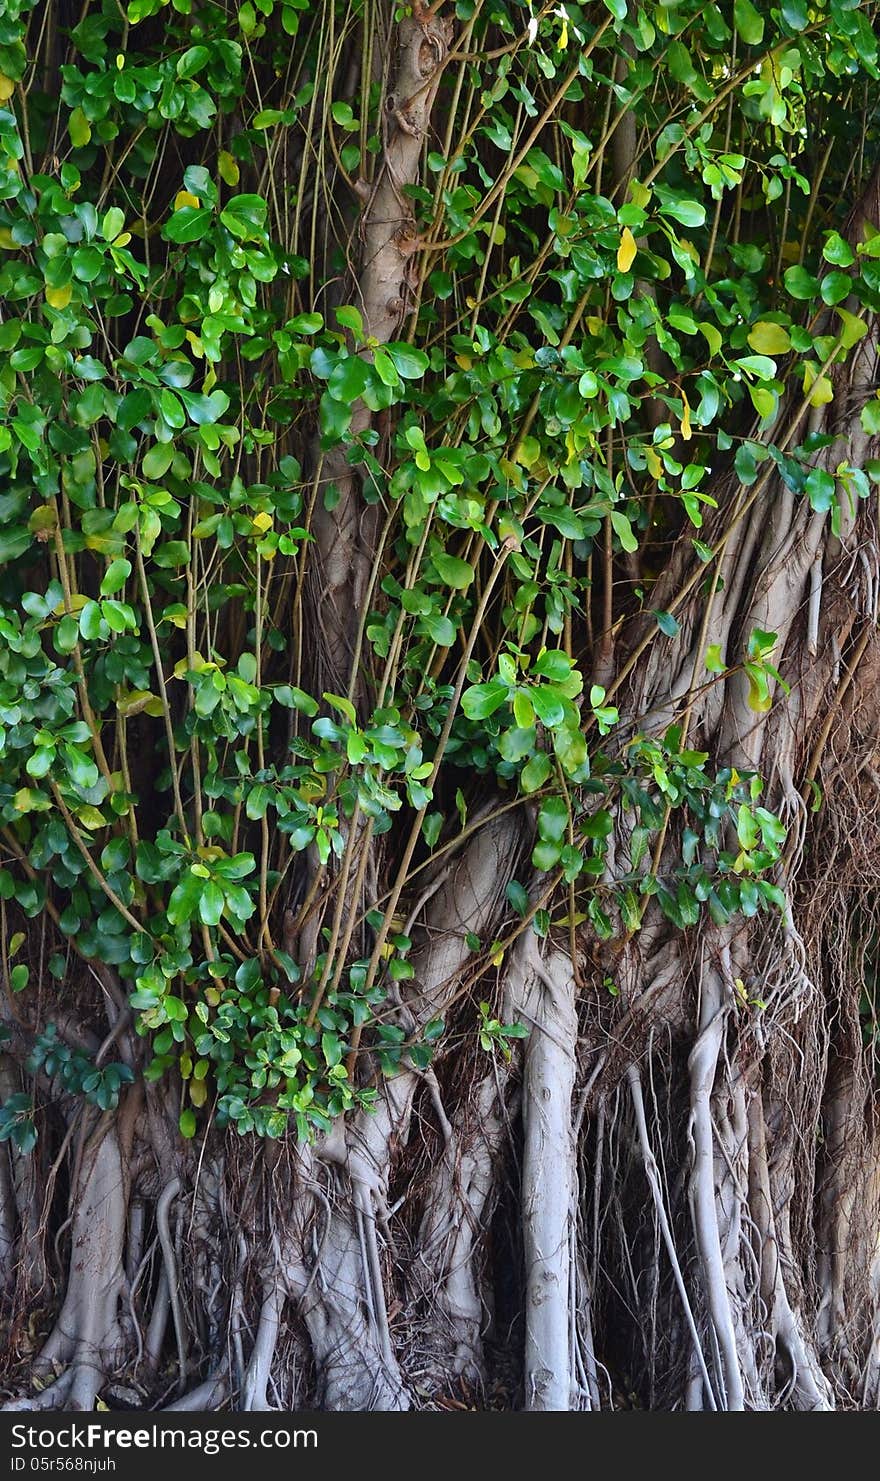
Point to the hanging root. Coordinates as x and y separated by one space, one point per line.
544 993
87 1338
445 1272
346 1310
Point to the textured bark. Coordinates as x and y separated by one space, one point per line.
346 534
346 1311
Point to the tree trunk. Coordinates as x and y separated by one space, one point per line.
391 1021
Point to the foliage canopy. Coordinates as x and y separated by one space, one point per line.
630 275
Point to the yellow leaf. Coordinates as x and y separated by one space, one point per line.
262 522
639 194
198 348
686 432
77 601
227 168
527 452
44 517
712 337
106 544
823 392
626 251
138 700
769 339
562 43
7 242
760 699
7 87
185 198
59 298
91 817
655 467
79 129
819 387
854 328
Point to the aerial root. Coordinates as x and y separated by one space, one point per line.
545 993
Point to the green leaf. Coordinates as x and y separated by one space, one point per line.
800 283
90 621
760 365
570 747
749 22
432 826
258 800
535 772
115 577
18 977
518 896
819 488
189 224
409 363
484 699
795 14
623 530
113 224
187 1124
553 664
184 899
350 317
838 250
553 820
453 572
343 705
348 379
211 904
668 624
548 705
295 699
517 743
688 212
157 460
441 629
545 855
835 287
244 217
305 324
